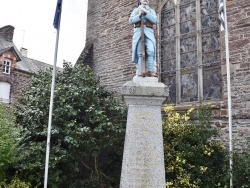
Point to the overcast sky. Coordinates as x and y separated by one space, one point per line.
33 22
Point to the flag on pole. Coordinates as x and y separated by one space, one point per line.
56 24
57 14
222 15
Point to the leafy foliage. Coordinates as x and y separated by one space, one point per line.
191 159
8 140
241 169
87 130
15 183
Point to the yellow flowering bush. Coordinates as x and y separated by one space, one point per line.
15 183
191 160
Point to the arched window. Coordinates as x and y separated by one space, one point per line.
190 50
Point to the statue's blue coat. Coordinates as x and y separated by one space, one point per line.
149 33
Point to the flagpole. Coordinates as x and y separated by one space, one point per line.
229 95
51 102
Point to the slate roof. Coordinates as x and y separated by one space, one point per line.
24 63
32 65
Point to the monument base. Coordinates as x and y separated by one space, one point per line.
137 79
143 157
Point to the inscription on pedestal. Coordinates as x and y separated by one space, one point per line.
143 159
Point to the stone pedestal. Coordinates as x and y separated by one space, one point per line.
143 157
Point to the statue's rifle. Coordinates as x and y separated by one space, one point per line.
143 60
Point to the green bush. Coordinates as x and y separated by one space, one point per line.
16 183
191 160
9 134
87 133
241 169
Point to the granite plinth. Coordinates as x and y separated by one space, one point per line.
144 89
143 157
145 79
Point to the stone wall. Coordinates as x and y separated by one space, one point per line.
86 56
19 81
111 35
239 45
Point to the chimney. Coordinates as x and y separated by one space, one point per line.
7 32
24 51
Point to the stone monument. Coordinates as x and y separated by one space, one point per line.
143 157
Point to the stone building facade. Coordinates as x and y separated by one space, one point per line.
191 54
16 68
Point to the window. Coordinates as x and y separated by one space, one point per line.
5 92
6 66
190 50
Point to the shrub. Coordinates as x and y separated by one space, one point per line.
87 130
9 134
241 169
191 160
16 183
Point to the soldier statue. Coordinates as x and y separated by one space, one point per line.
144 44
